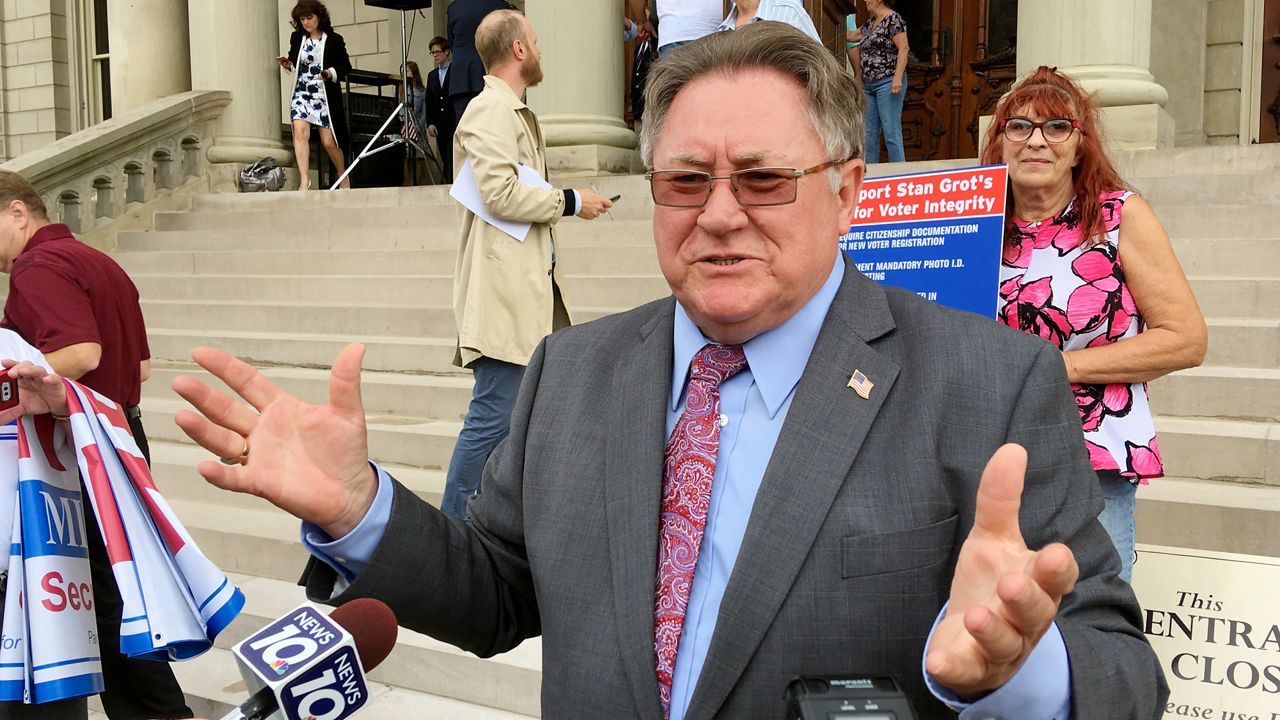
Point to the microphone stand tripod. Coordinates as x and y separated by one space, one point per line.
404 110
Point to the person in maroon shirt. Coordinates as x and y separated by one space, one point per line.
79 308
75 304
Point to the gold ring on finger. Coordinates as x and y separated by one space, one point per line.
240 459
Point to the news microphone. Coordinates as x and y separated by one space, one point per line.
306 665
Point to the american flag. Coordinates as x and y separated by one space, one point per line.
408 129
861 384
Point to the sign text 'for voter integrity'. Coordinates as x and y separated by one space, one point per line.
937 234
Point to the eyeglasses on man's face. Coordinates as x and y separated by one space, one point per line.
1055 130
439 52
752 187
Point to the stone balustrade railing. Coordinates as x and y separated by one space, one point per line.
91 178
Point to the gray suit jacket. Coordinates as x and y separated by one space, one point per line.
850 547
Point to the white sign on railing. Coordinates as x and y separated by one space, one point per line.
1214 620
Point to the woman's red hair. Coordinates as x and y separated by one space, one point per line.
1048 94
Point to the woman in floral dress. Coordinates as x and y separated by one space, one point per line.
1088 267
318 60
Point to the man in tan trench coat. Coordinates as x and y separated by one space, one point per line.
506 294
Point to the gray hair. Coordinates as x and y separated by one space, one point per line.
835 105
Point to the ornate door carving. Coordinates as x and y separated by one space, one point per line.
962 60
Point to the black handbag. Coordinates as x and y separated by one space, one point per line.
264 175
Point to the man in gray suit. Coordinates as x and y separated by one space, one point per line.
776 472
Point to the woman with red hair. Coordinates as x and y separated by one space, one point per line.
1088 267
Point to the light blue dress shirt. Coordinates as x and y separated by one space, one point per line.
791 12
754 402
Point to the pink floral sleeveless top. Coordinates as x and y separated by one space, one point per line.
1075 297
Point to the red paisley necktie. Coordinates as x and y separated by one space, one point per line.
686 495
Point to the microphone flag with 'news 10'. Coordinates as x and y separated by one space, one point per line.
306 666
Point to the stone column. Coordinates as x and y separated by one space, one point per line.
580 102
1106 46
233 46
149 58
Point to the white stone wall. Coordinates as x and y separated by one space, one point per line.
35 96
1178 47
1224 49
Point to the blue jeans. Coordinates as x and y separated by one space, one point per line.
1117 517
487 421
884 112
666 50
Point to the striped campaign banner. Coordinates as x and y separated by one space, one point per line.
175 600
49 593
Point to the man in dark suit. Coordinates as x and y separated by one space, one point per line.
440 118
778 471
463 18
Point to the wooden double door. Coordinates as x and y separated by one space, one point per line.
963 56
962 60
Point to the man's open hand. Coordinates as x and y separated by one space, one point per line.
1004 596
309 460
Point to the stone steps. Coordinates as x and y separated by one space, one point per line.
389 353
602 259
1186 221
304 317
259 230
1223 296
317 338
1226 189
414 441
213 688
1209 515
318 318
1227 256
1244 342
421 678
1203 448
1251 394
622 291
263 551
1201 164
1196 447
635 202
174 467
443 396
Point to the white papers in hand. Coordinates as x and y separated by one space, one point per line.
467 192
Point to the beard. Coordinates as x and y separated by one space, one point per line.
531 71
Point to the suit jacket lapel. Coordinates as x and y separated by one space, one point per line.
633 490
822 434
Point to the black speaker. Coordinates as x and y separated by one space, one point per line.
368 111
399 4
384 169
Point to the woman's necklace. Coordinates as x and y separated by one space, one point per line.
1033 224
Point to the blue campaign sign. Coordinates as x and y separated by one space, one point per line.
937 234
53 520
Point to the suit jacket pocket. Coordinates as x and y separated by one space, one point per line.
898 551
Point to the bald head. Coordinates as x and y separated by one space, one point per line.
496 36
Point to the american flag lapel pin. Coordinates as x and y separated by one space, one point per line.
861 384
